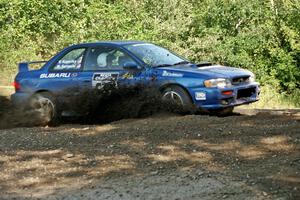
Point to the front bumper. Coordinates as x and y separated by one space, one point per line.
216 98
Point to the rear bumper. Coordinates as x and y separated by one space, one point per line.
216 99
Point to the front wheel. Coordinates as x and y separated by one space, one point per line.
178 99
43 107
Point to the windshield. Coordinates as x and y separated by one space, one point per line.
155 56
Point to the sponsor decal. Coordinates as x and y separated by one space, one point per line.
74 74
171 74
101 80
127 76
56 75
200 96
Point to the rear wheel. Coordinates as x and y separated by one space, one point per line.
43 107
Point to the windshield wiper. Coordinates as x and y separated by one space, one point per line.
163 65
178 63
182 62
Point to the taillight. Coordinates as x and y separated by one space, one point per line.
16 85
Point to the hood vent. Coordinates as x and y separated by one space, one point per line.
240 80
204 64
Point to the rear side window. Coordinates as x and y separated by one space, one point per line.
105 58
72 61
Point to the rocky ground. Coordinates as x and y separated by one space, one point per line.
253 154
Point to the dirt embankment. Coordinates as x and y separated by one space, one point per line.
253 155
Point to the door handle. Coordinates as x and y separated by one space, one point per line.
86 81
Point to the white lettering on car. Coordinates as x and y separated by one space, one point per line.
55 75
172 74
43 75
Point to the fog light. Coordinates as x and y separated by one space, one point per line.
200 95
229 92
227 101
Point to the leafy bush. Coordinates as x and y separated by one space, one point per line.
262 36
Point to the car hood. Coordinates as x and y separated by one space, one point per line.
213 71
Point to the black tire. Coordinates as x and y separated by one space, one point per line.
44 109
177 99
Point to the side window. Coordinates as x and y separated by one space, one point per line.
105 58
71 61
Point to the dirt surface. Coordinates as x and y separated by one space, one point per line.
253 154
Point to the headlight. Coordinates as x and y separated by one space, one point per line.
252 78
219 83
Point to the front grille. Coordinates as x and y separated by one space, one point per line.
240 80
244 93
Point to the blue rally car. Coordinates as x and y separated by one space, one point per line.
94 65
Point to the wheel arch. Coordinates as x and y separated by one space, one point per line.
41 91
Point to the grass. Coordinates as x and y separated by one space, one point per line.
271 99
6 78
7 91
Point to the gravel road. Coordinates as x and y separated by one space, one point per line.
253 154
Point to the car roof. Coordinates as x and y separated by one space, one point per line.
110 43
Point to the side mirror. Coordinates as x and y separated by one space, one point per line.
130 66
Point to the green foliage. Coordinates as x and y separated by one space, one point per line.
271 99
262 36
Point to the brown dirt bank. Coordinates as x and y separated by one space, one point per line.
250 155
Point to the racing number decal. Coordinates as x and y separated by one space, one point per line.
105 80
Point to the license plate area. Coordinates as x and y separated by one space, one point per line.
245 93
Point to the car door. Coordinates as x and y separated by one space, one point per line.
103 68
